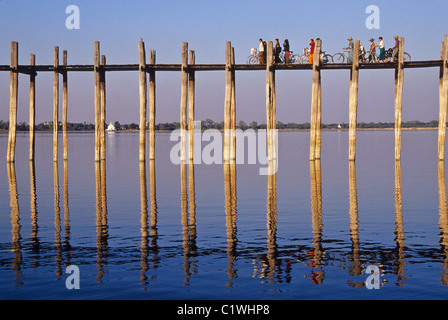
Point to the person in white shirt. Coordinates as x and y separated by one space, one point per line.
382 55
261 55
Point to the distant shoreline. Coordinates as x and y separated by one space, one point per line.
221 130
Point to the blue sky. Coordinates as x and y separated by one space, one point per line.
206 25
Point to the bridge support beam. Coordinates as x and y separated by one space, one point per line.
102 117
55 103
443 98
152 106
13 96
191 109
271 119
143 99
399 79
316 110
64 105
97 99
32 106
353 102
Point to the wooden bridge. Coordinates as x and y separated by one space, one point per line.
188 68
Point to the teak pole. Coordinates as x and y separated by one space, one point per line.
184 100
55 103
227 102
152 105
64 105
13 96
270 100
191 106
233 109
399 79
443 98
97 99
315 139
353 102
102 134
32 106
143 99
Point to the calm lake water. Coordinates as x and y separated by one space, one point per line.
225 232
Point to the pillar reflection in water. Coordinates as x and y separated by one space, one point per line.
16 246
148 231
35 244
101 217
443 222
270 264
272 222
316 255
57 220
188 220
399 231
231 218
67 247
61 247
144 225
355 268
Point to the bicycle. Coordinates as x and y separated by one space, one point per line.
391 57
253 57
293 58
324 57
340 57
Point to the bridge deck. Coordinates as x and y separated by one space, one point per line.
27 69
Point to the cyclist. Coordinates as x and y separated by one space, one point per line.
396 46
286 50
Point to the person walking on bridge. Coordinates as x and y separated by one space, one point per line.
261 54
311 56
382 55
372 50
350 50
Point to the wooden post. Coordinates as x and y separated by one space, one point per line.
227 103
315 139
399 79
55 103
191 98
443 98
353 102
103 109
270 101
97 99
64 105
317 51
32 105
143 98
233 109
13 96
152 105
184 101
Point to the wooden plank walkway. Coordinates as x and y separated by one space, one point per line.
28 69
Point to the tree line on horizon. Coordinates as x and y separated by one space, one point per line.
211 124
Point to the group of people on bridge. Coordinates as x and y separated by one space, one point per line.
372 56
